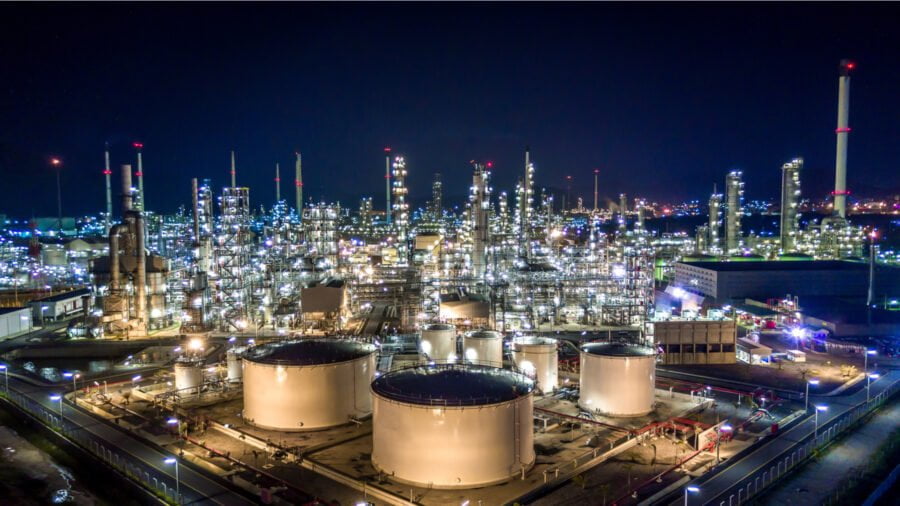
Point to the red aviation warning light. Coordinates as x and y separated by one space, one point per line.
489 165
138 145
56 162
387 150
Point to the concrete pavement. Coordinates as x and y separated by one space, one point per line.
125 452
745 476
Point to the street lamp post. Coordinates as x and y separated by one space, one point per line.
5 370
719 430
866 359
869 378
74 377
692 489
816 429
177 479
58 398
806 404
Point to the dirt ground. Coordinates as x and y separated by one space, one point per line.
29 477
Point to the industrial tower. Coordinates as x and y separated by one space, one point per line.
715 221
734 187
401 209
790 200
480 198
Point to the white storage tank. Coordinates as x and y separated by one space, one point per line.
438 342
307 384
537 357
484 347
617 379
452 426
234 365
188 375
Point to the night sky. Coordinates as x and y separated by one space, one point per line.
664 99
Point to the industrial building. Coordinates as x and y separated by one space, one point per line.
724 282
61 305
844 318
14 321
695 340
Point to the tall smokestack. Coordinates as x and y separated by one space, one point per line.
277 183
387 184
842 131
140 178
126 189
108 173
233 172
596 187
298 184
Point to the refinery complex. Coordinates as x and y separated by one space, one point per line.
508 349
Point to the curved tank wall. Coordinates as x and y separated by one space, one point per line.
234 366
453 426
483 347
438 341
188 375
307 384
537 357
617 379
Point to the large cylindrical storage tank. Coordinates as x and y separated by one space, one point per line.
483 347
307 384
452 426
537 357
188 375
438 341
617 379
233 365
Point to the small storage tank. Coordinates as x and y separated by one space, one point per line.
484 347
617 379
188 375
439 342
452 425
307 384
537 357
234 365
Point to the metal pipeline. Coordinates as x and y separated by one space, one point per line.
115 276
126 189
141 275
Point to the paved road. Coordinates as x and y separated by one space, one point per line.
713 487
816 482
196 487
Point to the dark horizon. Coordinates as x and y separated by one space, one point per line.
664 99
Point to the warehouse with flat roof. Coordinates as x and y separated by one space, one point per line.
724 282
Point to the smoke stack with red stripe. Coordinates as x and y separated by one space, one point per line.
842 132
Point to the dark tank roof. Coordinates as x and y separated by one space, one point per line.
308 352
484 334
618 350
453 385
439 326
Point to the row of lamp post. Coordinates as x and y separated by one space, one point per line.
691 489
